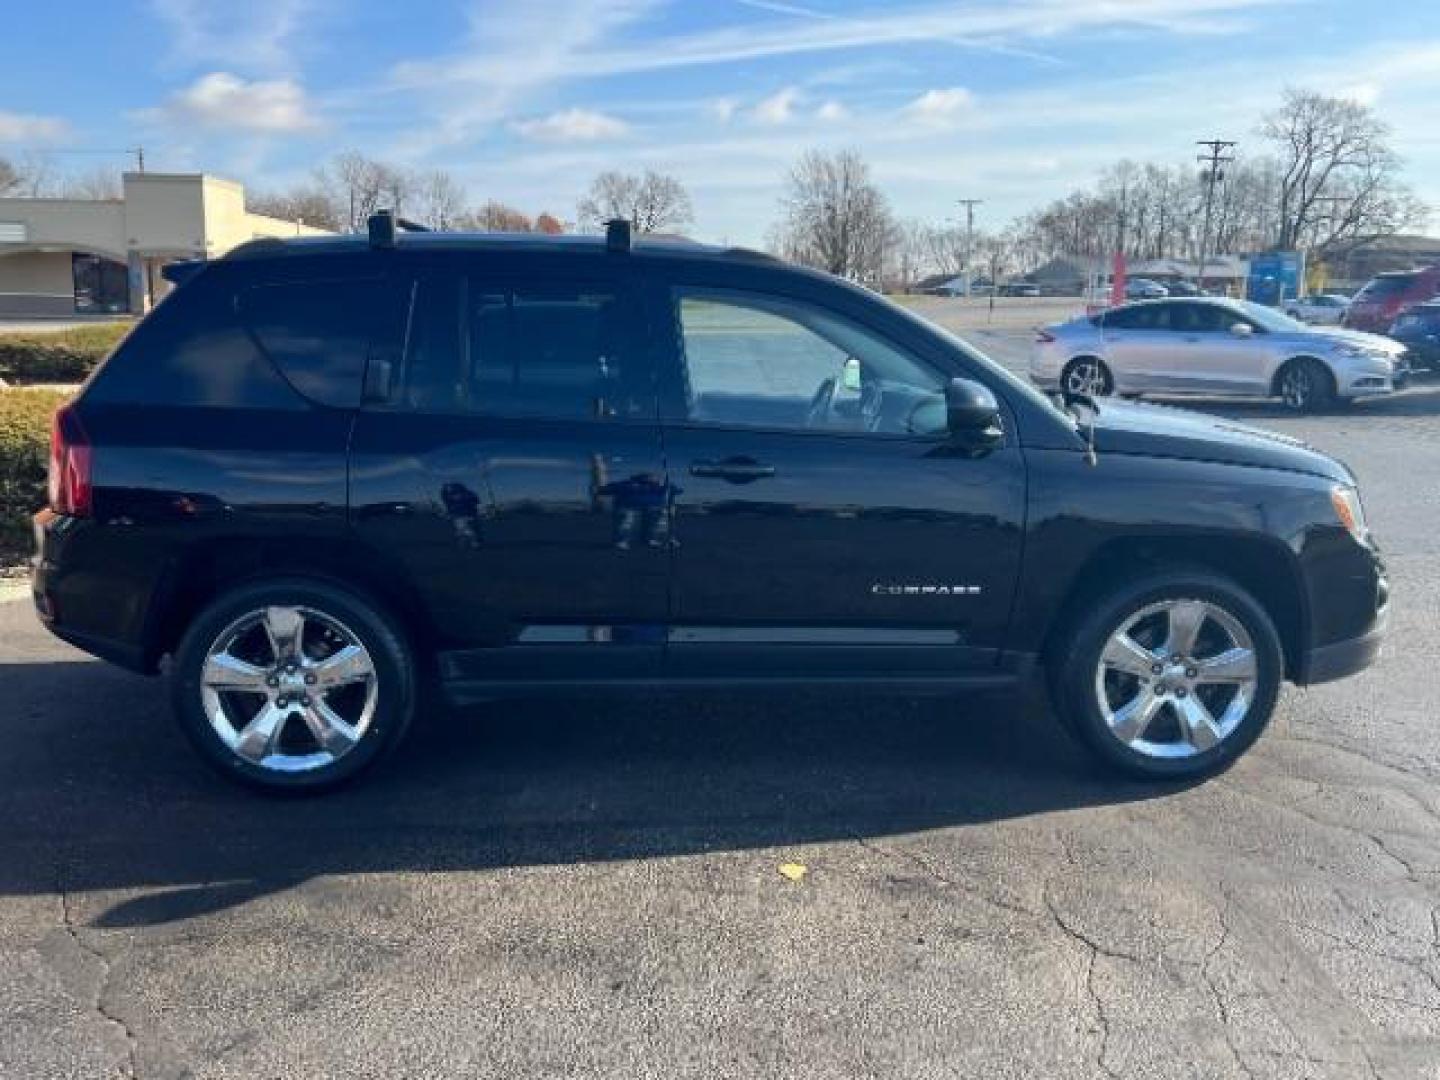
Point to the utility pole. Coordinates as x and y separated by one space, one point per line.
1212 160
969 205
139 153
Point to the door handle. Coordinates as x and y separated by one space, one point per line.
737 470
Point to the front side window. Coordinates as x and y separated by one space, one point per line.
751 360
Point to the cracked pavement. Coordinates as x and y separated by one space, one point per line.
590 888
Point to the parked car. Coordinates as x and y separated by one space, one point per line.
1212 346
1182 288
1323 309
1018 288
1144 289
327 469
1380 302
1418 329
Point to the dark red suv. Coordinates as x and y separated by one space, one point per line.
1375 306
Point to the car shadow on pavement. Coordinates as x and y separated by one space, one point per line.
99 792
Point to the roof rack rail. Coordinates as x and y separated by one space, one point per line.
617 236
383 226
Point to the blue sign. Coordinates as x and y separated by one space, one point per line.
1275 276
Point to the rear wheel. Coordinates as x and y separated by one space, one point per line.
1306 385
1170 677
1087 375
295 684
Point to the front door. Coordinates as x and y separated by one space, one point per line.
823 522
1203 354
511 472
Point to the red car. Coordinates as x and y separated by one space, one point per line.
1375 306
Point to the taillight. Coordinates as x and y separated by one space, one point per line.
70 484
1043 337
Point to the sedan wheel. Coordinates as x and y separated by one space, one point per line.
1306 386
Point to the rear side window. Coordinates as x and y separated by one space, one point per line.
553 350
1140 317
317 333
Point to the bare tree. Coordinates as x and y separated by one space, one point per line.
653 202
11 178
836 219
98 184
358 186
438 201
1338 176
549 224
306 203
496 216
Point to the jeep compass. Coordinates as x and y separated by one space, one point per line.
327 472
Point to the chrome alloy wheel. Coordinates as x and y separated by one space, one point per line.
289 689
1176 678
1297 387
1086 377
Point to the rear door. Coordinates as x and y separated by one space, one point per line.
823 523
511 468
1135 340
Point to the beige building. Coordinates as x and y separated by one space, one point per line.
63 257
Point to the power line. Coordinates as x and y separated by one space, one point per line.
137 151
1212 174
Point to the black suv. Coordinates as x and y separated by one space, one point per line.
326 472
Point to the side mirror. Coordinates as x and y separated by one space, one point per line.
1241 330
972 414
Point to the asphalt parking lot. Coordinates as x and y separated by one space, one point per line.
591 888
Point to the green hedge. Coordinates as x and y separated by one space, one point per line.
24 456
57 356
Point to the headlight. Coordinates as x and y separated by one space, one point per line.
1358 351
1346 501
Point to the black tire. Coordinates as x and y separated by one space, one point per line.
1306 385
381 636
1073 368
1075 660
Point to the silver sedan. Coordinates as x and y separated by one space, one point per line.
1214 347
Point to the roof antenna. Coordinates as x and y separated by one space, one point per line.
617 236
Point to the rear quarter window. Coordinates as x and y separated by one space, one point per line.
192 351
317 333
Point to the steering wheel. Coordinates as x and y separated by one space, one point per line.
819 412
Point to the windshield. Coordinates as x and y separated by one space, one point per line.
1270 319
1388 285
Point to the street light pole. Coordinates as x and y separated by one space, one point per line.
1212 162
969 205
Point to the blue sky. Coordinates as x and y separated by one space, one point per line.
1010 101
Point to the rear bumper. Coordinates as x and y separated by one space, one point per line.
1341 659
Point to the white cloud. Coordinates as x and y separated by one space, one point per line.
28 128
941 107
572 125
832 112
779 107
256 34
225 102
723 109
1362 93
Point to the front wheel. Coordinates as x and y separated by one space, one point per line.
1170 677
1306 386
293 684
